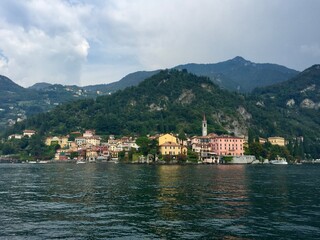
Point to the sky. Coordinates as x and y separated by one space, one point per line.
86 42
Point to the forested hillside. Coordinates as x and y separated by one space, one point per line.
18 103
290 109
172 100
175 101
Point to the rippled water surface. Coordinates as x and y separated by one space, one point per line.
101 201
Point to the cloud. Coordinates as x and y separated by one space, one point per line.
86 42
47 47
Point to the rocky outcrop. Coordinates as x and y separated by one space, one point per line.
309 104
186 97
290 103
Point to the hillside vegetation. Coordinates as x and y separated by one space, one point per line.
172 100
175 101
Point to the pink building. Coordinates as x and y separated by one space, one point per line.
227 145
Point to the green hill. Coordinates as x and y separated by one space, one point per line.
171 100
17 103
7 85
290 109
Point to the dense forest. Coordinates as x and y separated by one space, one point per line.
175 101
171 101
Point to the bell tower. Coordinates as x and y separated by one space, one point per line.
204 126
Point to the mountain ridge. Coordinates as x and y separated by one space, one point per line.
237 74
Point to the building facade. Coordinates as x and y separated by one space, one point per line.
172 149
277 141
228 145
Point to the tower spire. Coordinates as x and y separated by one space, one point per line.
204 126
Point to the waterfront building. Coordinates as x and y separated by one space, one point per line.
228 145
171 145
211 145
172 149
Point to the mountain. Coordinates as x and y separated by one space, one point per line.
236 74
17 103
302 91
11 92
7 85
129 80
241 75
175 101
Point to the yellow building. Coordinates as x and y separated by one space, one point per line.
172 148
62 141
167 138
277 141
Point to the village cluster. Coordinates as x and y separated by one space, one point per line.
89 147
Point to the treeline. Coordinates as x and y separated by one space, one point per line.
32 148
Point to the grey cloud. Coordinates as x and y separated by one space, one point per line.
86 42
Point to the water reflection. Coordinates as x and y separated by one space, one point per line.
219 193
170 191
99 201
229 191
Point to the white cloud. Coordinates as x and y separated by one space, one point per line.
48 47
87 42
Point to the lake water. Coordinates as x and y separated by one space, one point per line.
102 201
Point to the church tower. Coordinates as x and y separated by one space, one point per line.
204 126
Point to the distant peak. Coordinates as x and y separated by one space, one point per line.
316 66
239 59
